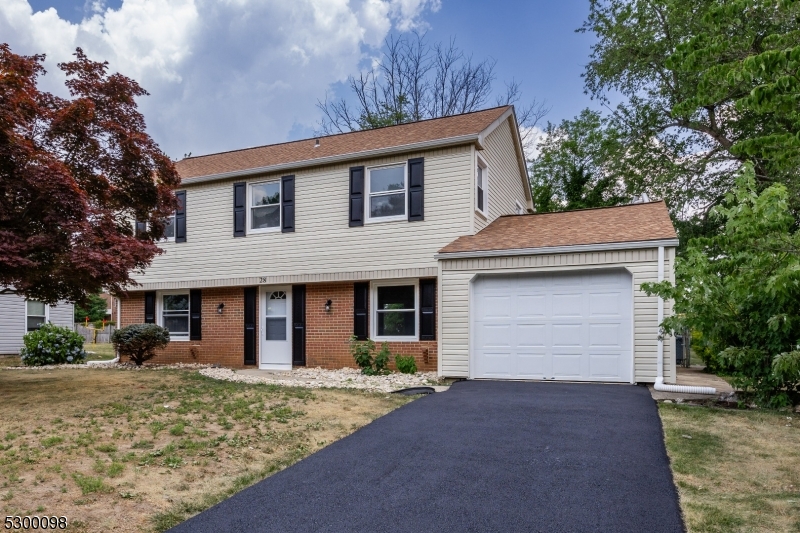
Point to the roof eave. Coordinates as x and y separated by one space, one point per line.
575 248
294 165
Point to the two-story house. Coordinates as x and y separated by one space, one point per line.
417 235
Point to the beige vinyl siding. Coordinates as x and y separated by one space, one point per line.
323 245
456 275
505 184
13 320
12 323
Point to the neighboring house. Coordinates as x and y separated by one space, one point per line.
111 306
19 316
278 254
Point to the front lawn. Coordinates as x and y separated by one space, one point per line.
141 450
736 471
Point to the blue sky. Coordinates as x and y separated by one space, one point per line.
223 76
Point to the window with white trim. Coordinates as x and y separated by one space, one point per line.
35 314
395 310
482 186
264 211
174 314
169 228
386 193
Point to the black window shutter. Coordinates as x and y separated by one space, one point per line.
356 196
195 315
150 307
361 311
287 204
427 311
298 325
180 217
239 209
250 325
416 189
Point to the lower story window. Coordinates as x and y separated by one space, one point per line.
36 315
175 315
396 312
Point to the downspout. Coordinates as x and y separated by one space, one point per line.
659 384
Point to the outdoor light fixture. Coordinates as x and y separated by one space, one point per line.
220 307
328 305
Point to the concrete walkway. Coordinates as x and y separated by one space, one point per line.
483 457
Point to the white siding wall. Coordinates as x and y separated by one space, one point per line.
455 276
323 245
505 183
13 325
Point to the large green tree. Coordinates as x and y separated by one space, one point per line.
741 289
701 87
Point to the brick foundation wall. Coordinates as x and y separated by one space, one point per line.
223 334
327 333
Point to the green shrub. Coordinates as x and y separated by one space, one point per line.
362 353
381 363
52 345
405 365
140 341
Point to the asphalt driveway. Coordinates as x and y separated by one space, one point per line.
484 456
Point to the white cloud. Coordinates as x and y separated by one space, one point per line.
223 74
531 139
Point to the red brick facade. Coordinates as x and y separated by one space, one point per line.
327 332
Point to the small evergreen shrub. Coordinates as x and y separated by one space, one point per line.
139 341
52 345
405 365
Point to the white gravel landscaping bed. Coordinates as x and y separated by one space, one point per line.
318 378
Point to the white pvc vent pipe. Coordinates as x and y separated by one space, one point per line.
659 384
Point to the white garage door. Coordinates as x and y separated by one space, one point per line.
571 326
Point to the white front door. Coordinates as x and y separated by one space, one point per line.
573 326
275 328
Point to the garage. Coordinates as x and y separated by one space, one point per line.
574 326
558 296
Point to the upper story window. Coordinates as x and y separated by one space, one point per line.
386 190
35 315
482 187
175 315
265 206
169 228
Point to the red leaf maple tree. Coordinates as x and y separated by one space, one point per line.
74 175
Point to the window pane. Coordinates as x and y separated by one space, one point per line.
266 193
387 205
396 297
177 324
35 322
276 304
35 308
396 323
266 217
480 176
276 329
169 228
176 302
387 179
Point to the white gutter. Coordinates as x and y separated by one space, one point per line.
659 384
577 248
282 167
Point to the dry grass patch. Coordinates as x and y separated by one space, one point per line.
140 450
736 471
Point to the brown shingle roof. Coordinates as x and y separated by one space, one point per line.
335 145
628 223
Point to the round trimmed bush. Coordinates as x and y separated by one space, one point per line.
139 342
52 345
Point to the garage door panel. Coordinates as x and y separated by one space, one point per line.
531 335
606 304
606 366
608 335
568 326
531 365
568 365
567 304
567 335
